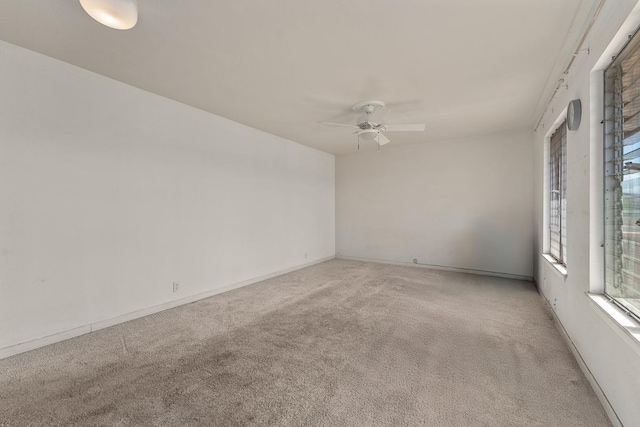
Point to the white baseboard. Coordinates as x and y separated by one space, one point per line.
611 413
75 332
439 267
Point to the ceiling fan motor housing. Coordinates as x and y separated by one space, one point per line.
364 123
367 107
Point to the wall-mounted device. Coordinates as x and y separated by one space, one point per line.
574 114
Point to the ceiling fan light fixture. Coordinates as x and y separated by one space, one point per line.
368 134
117 14
370 127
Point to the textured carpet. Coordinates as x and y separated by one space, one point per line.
342 343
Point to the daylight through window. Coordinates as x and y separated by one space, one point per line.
622 178
558 194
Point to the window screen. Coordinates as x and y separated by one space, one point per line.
622 178
558 194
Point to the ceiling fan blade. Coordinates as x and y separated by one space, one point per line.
416 127
383 139
338 124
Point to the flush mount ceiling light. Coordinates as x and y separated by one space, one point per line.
118 14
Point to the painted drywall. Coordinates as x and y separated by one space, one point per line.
109 194
284 66
463 204
612 357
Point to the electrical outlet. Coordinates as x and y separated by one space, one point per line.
176 286
305 255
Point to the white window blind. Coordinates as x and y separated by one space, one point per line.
558 194
622 178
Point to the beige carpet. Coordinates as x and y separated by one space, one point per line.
342 343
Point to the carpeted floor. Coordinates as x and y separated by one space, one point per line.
342 343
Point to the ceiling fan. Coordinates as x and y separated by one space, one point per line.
369 125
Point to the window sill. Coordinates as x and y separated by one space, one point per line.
559 268
626 326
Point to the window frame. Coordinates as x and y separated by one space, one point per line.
558 137
614 165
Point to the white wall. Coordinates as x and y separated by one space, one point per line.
464 204
108 194
610 355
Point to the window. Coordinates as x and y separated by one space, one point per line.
558 195
622 178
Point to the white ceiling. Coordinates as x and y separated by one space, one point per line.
463 67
